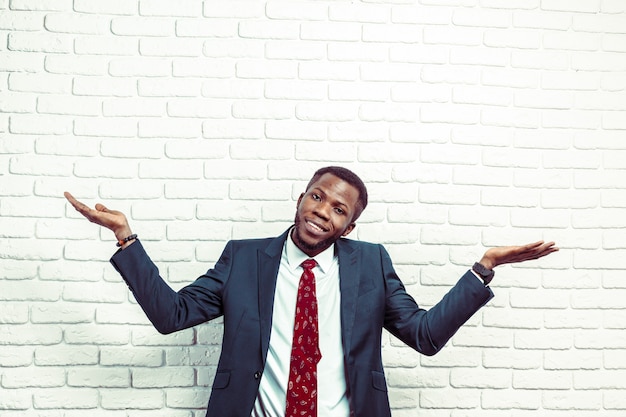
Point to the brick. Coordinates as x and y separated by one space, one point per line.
188 189
36 42
15 399
13 313
42 378
186 8
450 113
546 380
197 28
614 359
236 89
562 5
167 377
61 313
20 61
39 124
124 148
369 13
294 50
331 112
108 127
66 356
511 399
80 334
613 43
337 71
16 228
139 26
169 128
259 29
193 397
410 378
542 20
149 337
104 86
243 10
614 400
343 51
99 292
598 23
573 360
450 399
485 379
511 359
96 45
178 47
74 23
62 398
584 62
420 54
98 378
548 60
140 67
21 21
603 379
113 7
222 48
131 356
330 31
133 107
198 108
425 15
261 110
438 35
20 335
391 33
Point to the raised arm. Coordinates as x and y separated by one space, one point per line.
111 219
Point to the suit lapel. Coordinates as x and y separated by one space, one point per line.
349 284
268 262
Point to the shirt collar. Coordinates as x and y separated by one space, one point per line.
295 256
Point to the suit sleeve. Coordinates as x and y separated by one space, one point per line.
427 331
167 309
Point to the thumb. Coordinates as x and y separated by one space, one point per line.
102 208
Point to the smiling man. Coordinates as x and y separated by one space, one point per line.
304 311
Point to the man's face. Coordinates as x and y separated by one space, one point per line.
324 214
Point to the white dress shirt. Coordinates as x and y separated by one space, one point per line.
332 400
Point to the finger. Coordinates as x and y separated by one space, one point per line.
101 207
71 199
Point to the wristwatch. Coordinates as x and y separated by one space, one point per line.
485 274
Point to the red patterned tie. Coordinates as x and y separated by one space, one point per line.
305 351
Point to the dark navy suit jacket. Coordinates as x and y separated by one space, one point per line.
240 287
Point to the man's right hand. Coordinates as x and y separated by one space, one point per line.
111 219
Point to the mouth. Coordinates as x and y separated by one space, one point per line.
315 228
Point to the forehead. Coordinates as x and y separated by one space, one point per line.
337 188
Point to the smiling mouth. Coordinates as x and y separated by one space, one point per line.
315 227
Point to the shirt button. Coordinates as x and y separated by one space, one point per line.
257 375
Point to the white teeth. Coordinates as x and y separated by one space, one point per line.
316 226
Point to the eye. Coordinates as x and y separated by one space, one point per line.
339 210
316 197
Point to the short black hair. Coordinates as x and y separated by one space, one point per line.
349 177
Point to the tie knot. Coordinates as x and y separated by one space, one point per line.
309 264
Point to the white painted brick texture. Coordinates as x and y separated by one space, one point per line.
475 124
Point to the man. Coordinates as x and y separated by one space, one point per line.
353 293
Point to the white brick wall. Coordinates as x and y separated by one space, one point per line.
475 123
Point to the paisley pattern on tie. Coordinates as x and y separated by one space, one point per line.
305 351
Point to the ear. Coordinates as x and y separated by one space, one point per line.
350 228
299 200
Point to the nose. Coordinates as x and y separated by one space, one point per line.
322 210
